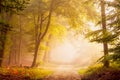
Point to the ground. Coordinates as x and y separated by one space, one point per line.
103 74
61 72
58 75
64 75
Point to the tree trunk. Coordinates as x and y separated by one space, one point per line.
105 45
36 54
13 51
46 54
37 42
2 42
3 34
10 55
20 41
1 6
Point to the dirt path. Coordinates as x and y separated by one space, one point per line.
64 75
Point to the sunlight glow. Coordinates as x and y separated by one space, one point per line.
64 53
110 0
75 51
64 68
93 26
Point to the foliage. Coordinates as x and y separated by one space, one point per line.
112 34
37 73
114 25
7 9
97 36
66 14
82 71
94 68
102 73
13 6
98 68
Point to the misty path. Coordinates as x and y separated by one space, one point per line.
64 75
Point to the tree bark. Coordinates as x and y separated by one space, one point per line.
105 44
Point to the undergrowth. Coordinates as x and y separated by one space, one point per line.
32 73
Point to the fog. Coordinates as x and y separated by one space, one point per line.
76 50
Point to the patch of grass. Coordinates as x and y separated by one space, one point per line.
98 72
94 68
90 69
115 65
82 71
36 73
3 71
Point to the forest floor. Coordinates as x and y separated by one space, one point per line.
102 74
63 75
60 73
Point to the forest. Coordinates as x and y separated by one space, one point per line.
59 39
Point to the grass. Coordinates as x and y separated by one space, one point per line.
38 73
90 69
98 68
82 71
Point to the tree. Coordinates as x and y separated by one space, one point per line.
7 8
104 29
102 35
109 35
15 39
41 36
73 15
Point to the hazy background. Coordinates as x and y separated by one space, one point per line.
75 50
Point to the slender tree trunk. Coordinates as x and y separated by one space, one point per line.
36 39
2 39
105 45
20 41
40 37
15 57
2 52
13 51
2 44
45 57
14 54
10 55
36 54
46 54
1 5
